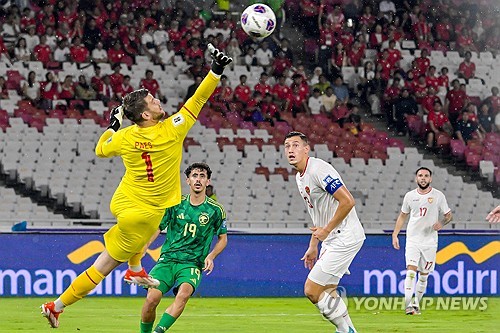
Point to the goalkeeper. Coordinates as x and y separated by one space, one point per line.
191 226
151 150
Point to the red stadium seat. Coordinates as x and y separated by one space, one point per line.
263 171
457 148
282 171
259 142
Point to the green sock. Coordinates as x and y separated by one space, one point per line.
165 322
146 327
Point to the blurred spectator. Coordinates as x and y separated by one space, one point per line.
209 190
132 44
466 128
391 95
49 90
455 101
211 29
485 118
315 76
467 69
262 86
76 30
315 102
284 46
152 85
444 79
147 42
160 37
377 37
299 81
386 6
269 109
91 33
124 88
280 64
116 78
250 58
198 68
437 123
322 84
27 19
63 31
242 92
10 31
78 52
337 61
405 105
42 51
464 41
494 100
84 91
420 89
166 56
423 62
51 38
444 29
222 95
296 102
264 56
328 101
429 99
67 89
192 88
375 91
355 54
233 50
96 80
99 54
4 92
30 88
116 53
31 38
174 34
193 51
340 90
105 93
431 80
21 52
62 53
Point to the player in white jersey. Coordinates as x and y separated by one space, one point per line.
423 205
336 225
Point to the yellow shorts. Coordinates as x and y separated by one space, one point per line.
134 228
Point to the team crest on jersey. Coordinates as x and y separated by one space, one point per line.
178 120
430 200
203 219
308 190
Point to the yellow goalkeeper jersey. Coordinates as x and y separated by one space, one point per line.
152 155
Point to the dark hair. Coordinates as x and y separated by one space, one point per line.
134 105
423 168
299 134
199 166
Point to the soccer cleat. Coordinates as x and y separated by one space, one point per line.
410 310
417 310
141 279
49 312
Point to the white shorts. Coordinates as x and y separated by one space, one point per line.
333 263
424 257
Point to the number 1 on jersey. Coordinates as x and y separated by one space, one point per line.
149 166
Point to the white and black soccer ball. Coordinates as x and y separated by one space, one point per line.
258 20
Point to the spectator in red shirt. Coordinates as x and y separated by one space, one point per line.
78 52
281 91
222 95
420 89
280 64
116 53
116 78
444 29
367 19
193 51
422 29
106 93
262 85
355 54
42 51
455 101
467 69
391 95
437 123
298 81
431 80
385 66
444 79
296 103
423 62
67 89
198 68
494 100
269 109
377 37
465 41
242 92
132 43
124 88
27 19
429 99
394 54
152 85
96 80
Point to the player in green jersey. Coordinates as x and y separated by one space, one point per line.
190 227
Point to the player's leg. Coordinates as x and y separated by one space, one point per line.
80 287
426 266
328 302
148 314
188 278
412 255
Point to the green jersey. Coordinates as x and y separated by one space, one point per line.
190 230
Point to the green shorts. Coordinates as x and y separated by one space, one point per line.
170 273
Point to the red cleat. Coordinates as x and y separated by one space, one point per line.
49 312
141 279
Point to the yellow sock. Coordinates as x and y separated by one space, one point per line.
81 286
135 260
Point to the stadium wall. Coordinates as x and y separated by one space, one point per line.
43 264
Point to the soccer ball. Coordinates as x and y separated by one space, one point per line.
258 20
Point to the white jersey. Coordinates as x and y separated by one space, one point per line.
317 184
424 211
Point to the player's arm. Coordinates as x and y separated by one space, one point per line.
397 228
194 104
311 254
110 144
494 215
346 203
446 219
218 248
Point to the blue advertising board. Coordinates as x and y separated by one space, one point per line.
43 264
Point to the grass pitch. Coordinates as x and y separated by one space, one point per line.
239 315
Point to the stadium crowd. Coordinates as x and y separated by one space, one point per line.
387 48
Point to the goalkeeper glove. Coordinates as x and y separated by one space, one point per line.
116 118
220 60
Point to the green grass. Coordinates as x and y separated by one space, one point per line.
239 315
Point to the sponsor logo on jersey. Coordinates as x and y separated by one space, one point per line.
430 200
178 120
180 216
332 184
308 190
203 219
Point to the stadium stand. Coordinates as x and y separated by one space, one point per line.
47 137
